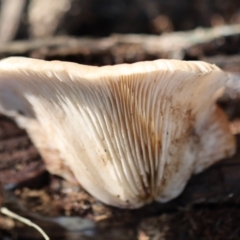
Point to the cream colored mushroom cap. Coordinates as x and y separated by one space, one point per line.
130 133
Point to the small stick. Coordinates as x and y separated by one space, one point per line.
8 213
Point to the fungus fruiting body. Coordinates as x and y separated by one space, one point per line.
130 133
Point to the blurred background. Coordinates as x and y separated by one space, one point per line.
115 31
24 19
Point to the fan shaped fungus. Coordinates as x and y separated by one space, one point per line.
130 133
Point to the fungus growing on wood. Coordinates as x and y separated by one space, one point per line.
130 133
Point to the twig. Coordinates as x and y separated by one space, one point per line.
169 44
8 213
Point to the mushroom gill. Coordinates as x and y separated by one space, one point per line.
130 133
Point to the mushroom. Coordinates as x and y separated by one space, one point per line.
130 133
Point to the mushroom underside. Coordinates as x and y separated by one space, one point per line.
130 134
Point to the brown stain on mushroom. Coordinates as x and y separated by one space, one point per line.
126 93
133 108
